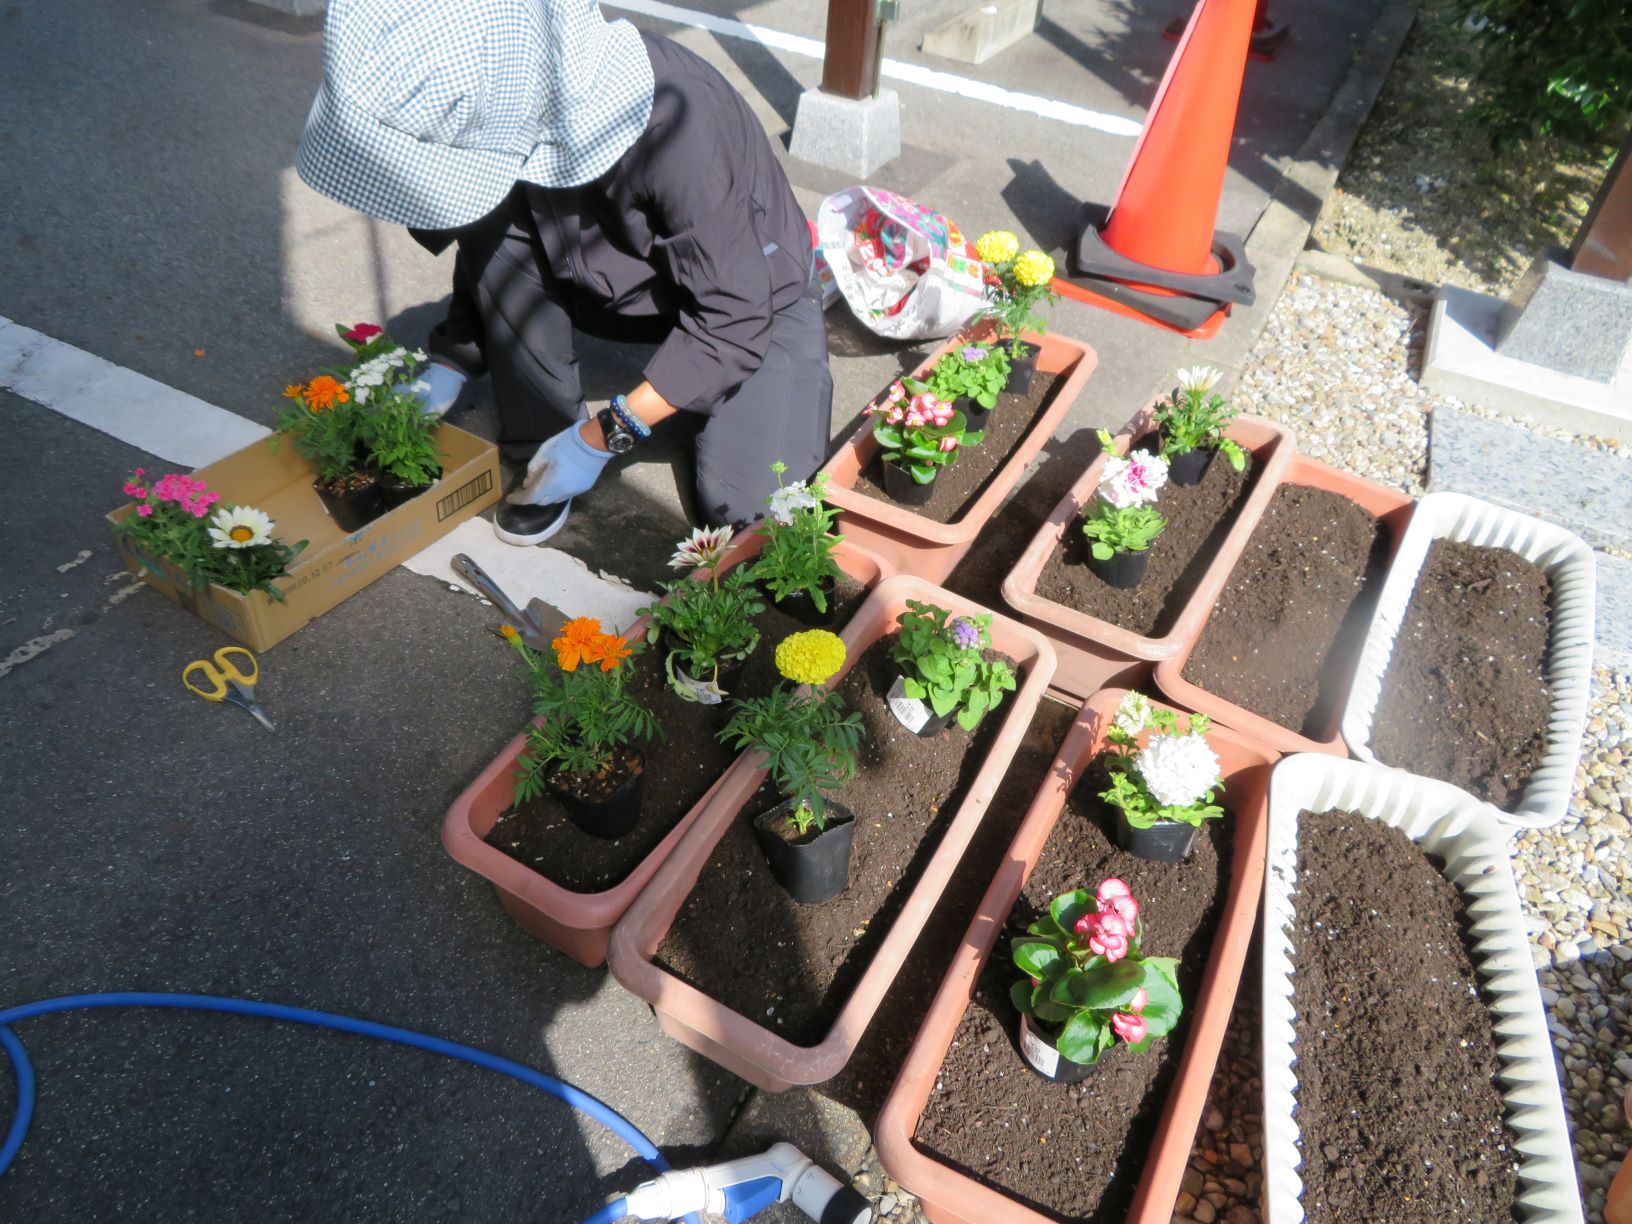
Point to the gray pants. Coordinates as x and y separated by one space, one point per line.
511 319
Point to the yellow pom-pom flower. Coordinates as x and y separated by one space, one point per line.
997 246
810 657
1033 269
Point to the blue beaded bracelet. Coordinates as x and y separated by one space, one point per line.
631 422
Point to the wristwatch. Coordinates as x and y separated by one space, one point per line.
619 440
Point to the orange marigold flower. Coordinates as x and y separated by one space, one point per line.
324 392
609 651
579 643
292 391
510 632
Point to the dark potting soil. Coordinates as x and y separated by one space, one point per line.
957 486
1282 638
1399 1112
679 770
1075 1151
1198 518
741 939
1465 698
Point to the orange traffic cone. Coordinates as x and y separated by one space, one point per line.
1154 254
1268 35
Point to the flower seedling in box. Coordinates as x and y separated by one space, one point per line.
710 623
943 663
1193 421
583 743
1088 984
807 741
975 372
796 545
179 520
1018 286
918 434
1163 791
1123 523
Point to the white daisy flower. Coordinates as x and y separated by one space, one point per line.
703 547
1198 380
240 527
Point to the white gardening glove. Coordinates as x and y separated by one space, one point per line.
562 467
437 388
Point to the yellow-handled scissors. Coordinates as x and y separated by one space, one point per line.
227 680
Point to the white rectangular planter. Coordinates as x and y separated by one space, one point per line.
1568 562
1444 821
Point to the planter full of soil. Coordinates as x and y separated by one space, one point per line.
604 804
353 501
781 993
813 866
968 1127
1053 589
1408 1069
1277 655
569 889
1477 664
929 541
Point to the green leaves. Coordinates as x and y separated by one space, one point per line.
797 555
808 742
1084 1038
713 622
1113 530
1100 987
1193 419
937 669
1038 959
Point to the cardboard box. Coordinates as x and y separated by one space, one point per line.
334 565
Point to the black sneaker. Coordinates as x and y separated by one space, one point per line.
526 525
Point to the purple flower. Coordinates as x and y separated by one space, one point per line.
972 352
965 634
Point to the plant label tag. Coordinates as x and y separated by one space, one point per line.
1038 1052
911 713
703 692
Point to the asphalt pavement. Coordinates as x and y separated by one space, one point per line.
156 842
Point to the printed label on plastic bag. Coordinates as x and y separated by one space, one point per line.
911 713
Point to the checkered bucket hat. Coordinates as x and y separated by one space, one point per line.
430 110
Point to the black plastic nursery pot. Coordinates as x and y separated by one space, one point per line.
1021 369
358 502
1121 569
398 492
1190 467
916 716
613 816
1040 1053
903 488
816 867
1166 841
800 605
974 415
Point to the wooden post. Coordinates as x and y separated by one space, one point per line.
854 55
1603 245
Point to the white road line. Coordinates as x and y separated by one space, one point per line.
893 69
132 407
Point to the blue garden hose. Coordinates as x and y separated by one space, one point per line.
577 1098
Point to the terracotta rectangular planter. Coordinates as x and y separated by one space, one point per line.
1088 646
949 1196
906 539
1465 836
1390 506
740 1044
580 923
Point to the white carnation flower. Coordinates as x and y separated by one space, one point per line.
1178 770
791 498
1132 481
1133 715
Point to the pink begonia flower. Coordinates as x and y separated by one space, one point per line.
948 445
1107 941
132 489
1131 1029
897 393
916 419
1137 1003
141 471
1116 897
941 416
1112 923
144 510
